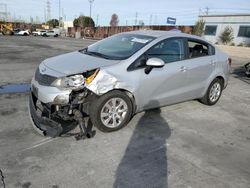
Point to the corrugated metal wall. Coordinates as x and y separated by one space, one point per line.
103 32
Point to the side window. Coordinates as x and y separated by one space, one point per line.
169 50
197 49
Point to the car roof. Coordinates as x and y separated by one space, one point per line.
159 33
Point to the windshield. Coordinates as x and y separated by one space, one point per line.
118 47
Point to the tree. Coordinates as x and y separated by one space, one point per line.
227 35
53 23
84 21
199 27
114 20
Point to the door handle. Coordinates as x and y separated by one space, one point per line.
183 69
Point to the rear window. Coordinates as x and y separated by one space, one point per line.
199 49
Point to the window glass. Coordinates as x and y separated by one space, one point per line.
197 49
168 50
119 46
210 30
244 31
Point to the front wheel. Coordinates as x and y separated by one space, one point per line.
213 92
111 111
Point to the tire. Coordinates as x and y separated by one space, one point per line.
212 98
56 35
25 34
106 109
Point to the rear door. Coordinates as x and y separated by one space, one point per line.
200 65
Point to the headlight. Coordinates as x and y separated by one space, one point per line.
71 82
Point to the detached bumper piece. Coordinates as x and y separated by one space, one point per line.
247 67
46 125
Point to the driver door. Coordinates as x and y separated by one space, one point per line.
166 85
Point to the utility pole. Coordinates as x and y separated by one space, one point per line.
48 10
155 20
45 16
97 19
59 10
136 17
207 9
150 19
3 12
90 7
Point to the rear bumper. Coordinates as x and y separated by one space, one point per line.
43 125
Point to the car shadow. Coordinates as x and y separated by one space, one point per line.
239 72
145 163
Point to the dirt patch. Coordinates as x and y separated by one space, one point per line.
6 112
235 51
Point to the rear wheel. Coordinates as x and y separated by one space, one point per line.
111 111
213 92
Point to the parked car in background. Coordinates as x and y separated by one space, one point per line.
50 33
127 73
42 32
16 31
38 33
23 33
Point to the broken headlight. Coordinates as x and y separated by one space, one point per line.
70 82
90 75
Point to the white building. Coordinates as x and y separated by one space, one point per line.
66 25
215 25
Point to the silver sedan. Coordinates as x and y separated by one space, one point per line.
122 75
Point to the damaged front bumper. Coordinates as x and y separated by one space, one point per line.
52 110
42 124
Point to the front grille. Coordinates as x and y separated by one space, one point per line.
44 79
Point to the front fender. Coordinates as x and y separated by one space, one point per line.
105 82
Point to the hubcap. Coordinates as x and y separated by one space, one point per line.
215 91
113 112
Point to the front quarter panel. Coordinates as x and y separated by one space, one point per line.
110 79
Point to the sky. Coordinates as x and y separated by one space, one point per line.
148 11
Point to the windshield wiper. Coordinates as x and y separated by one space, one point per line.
97 54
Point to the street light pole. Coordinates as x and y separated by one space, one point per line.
90 7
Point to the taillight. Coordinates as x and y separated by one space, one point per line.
229 61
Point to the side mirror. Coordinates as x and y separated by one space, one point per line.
153 63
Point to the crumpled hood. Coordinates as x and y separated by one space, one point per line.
76 62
